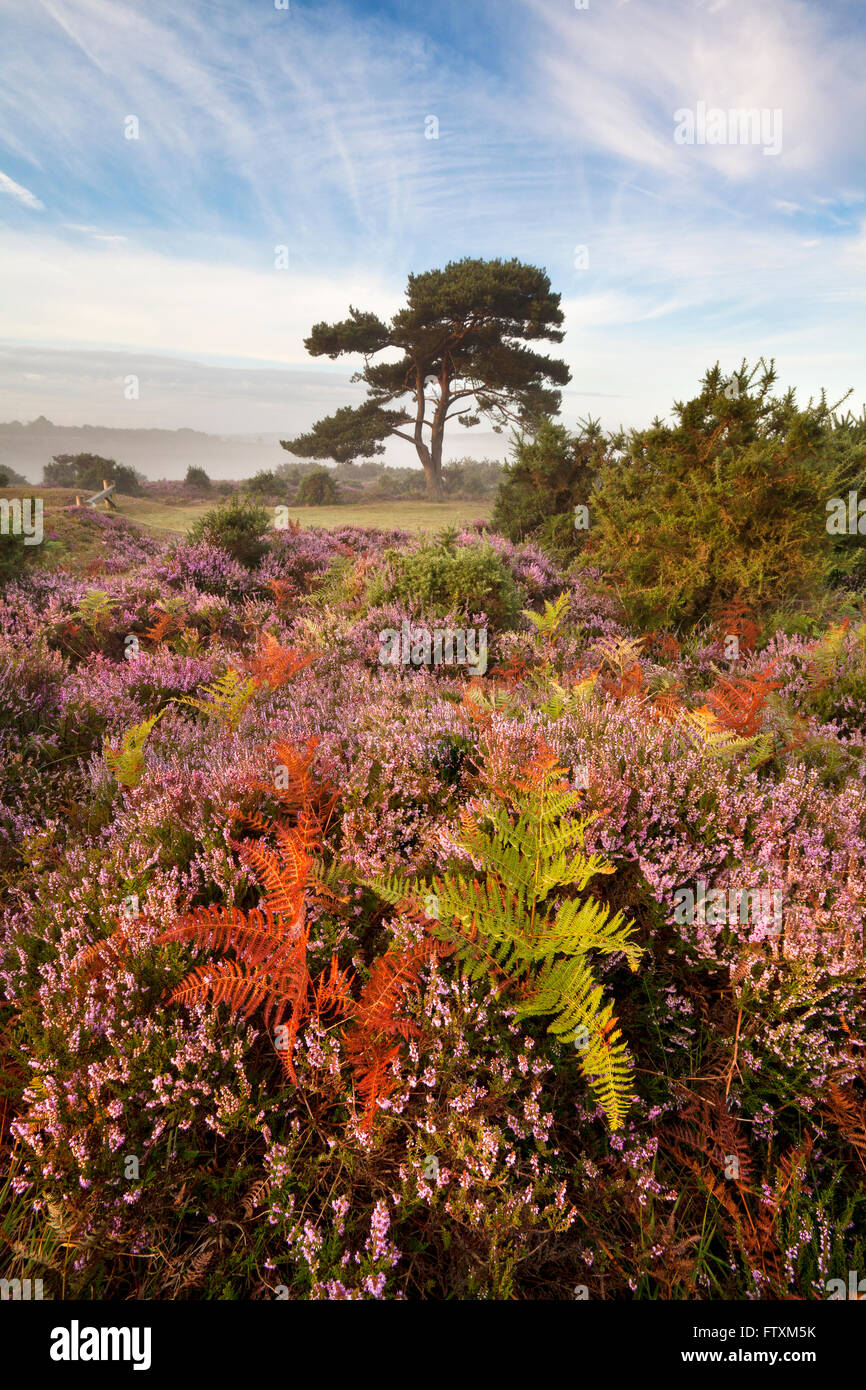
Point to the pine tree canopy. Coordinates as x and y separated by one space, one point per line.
462 343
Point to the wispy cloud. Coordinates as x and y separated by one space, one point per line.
554 128
19 192
95 232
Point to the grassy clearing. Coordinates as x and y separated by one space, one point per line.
410 516
176 520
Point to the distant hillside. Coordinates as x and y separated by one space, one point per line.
169 453
156 453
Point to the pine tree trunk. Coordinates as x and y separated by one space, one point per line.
434 482
431 459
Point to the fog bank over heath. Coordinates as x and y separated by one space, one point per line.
169 453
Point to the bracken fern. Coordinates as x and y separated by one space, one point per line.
503 924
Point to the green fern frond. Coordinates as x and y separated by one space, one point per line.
228 697
126 762
702 728
94 606
502 925
621 653
547 624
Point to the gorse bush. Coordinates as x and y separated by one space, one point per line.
237 526
551 472
727 503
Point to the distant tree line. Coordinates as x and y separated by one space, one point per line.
315 484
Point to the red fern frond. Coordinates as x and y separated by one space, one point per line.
273 665
282 872
369 1043
311 804
225 982
736 619
165 623
627 686
738 702
284 593
332 990
666 646
510 672
666 706
255 937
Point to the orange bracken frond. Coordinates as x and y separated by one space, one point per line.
256 936
666 706
665 645
225 982
510 672
273 665
738 701
736 619
284 592
282 872
627 686
370 1042
310 803
165 623
332 990
110 950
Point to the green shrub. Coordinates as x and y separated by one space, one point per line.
17 549
196 477
89 472
726 504
318 489
14 554
237 526
442 578
265 483
549 475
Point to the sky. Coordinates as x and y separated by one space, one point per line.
153 157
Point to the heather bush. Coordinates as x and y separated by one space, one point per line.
433 1139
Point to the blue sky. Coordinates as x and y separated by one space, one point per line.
262 127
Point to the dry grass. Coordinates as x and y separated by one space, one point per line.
409 516
174 519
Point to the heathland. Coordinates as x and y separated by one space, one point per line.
340 964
